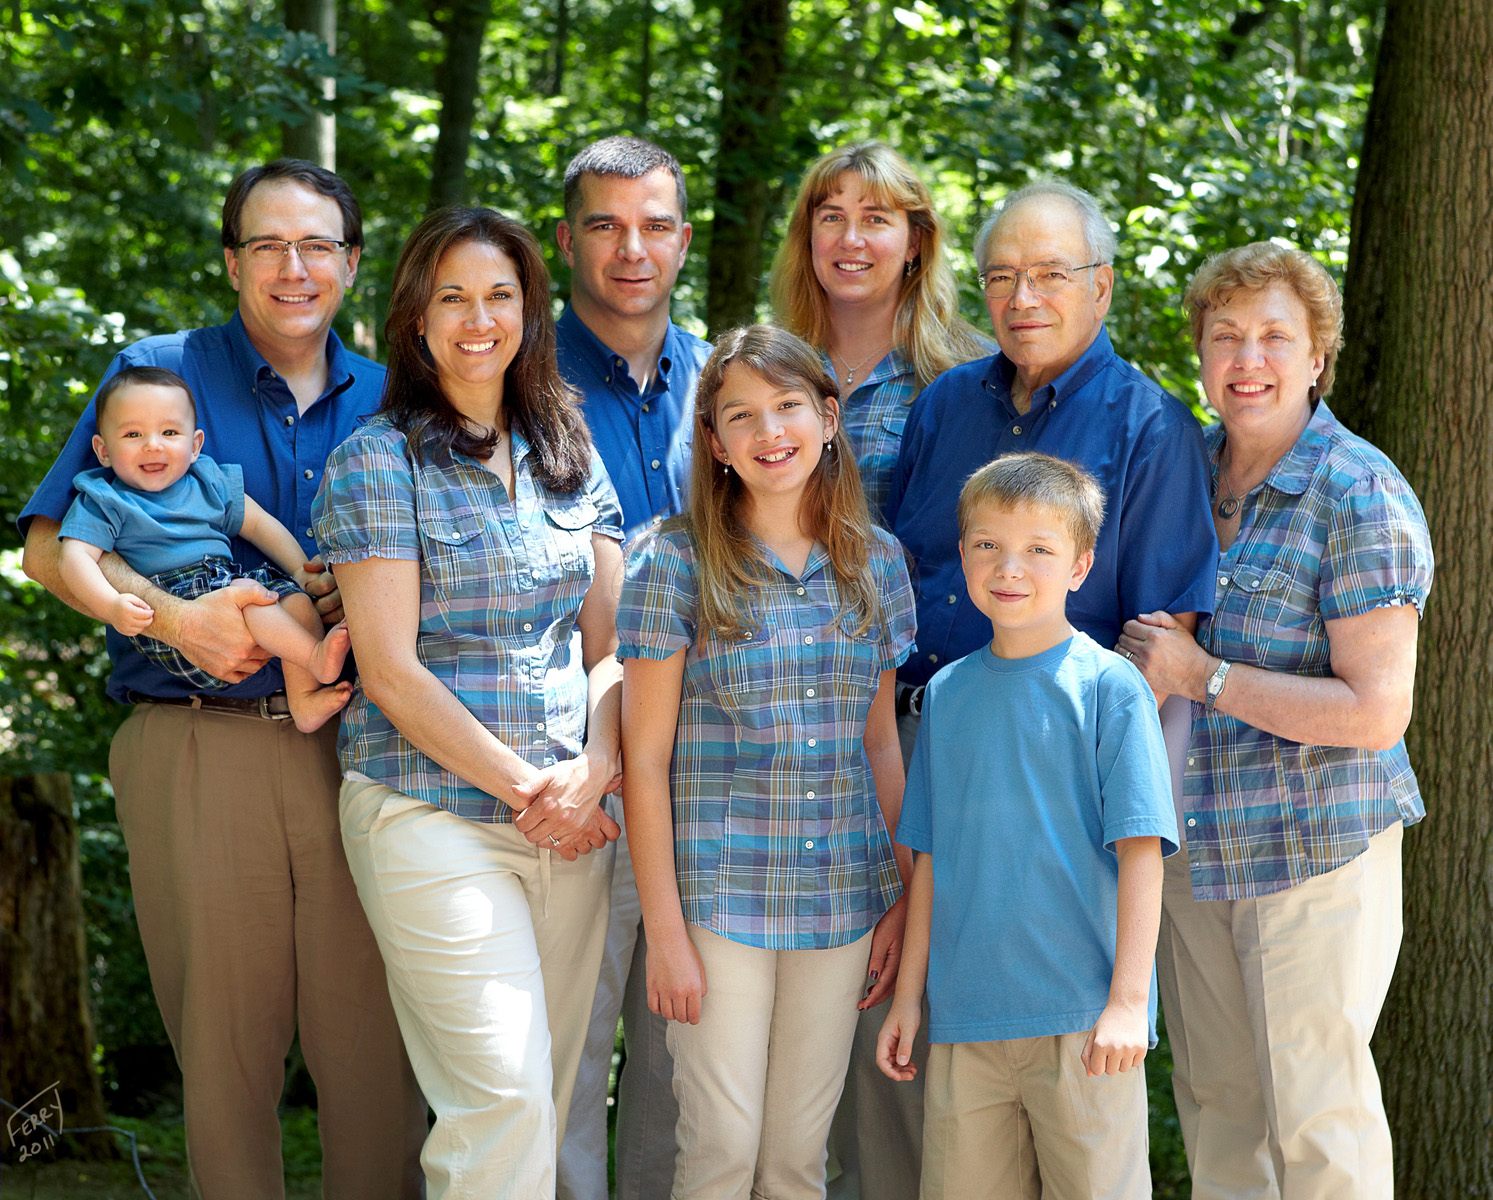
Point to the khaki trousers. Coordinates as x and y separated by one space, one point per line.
758 1078
1020 1119
251 925
1270 1004
492 947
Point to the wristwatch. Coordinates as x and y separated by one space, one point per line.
1215 683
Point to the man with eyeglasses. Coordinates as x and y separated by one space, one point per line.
249 917
1056 386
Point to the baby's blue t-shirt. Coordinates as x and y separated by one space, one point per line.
191 520
1026 773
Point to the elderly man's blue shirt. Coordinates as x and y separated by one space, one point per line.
1157 549
644 437
249 417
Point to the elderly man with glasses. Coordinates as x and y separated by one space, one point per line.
248 914
1057 386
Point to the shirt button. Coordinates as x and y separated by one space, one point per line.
808 640
645 408
809 692
800 591
655 464
528 625
1223 581
933 658
953 599
309 473
809 845
289 421
1052 404
1191 821
813 741
1192 762
539 725
1016 429
310 533
808 795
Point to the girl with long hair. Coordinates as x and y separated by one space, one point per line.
761 633
861 276
472 529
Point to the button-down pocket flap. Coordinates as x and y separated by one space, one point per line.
579 515
895 422
451 529
1252 580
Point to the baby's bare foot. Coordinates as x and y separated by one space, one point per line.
331 652
312 710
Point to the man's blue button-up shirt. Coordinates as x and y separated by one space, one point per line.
249 417
1157 549
644 437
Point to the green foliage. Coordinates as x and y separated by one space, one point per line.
122 121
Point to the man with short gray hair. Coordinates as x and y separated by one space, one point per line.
1057 386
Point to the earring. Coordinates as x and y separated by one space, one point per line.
907 269
422 341
726 467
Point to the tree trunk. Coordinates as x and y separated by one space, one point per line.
316 138
46 1056
1417 380
645 65
750 59
458 86
562 38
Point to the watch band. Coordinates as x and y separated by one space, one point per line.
1215 683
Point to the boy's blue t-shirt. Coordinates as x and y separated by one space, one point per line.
1026 773
180 525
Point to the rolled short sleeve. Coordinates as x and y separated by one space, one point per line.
1378 552
365 507
604 496
899 620
657 612
95 515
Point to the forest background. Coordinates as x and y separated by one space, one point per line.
1199 125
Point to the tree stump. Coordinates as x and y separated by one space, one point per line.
46 1052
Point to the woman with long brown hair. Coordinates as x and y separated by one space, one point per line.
861 276
472 529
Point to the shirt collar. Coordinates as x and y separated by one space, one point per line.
1292 475
603 360
1002 372
253 365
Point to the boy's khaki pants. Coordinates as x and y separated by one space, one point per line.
1270 1004
1020 1119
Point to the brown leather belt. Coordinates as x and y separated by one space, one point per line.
273 707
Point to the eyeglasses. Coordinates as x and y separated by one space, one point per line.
1046 279
272 251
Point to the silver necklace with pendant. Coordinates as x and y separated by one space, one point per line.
1227 508
850 371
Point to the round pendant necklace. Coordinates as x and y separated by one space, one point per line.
1228 507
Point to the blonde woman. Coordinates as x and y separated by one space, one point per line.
861 277
760 636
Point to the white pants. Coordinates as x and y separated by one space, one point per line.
758 1078
1270 1004
646 1110
491 947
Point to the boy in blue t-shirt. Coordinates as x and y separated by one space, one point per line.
170 511
1039 803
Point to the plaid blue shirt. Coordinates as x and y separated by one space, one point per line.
778 839
501 584
1334 531
874 415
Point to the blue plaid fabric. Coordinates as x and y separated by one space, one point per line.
501 585
1334 531
778 839
197 579
874 415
